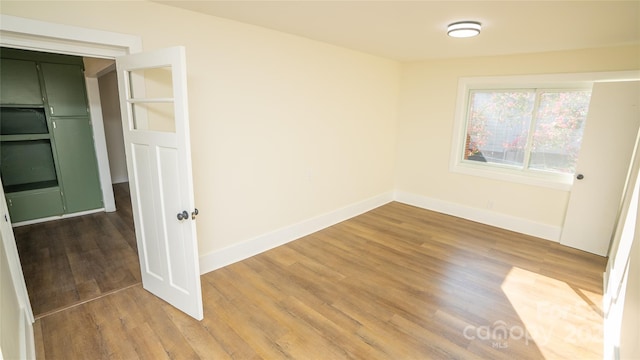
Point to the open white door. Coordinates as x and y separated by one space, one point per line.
603 165
153 100
16 316
619 301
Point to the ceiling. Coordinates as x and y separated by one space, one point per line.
416 30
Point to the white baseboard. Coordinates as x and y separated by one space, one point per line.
234 253
483 216
119 180
238 252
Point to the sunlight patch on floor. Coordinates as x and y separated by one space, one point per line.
564 323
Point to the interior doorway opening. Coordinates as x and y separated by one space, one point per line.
163 155
72 259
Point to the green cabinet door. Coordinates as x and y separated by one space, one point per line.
34 204
19 83
78 167
64 86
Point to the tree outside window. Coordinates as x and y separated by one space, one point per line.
530 129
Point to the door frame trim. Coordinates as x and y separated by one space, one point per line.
29 34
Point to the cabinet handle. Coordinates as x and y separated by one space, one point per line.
51 108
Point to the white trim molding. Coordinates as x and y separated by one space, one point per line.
38 35
246 249
503 221
100 143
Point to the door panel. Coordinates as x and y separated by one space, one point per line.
169 178
19 83
78 164
16 328
153 101
35 204
604 161
66 92
150 256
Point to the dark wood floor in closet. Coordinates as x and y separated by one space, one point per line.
70 261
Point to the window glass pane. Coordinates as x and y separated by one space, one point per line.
153 83
498 126
154 108
154 116
560 122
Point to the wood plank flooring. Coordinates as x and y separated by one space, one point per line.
397 282
68 261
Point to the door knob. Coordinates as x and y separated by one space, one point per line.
183 215
580 177
194 213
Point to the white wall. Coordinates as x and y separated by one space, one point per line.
108 85
283 129
428 104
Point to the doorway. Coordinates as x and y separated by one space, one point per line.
169 252
34 35
71 260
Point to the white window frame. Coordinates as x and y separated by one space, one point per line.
578 81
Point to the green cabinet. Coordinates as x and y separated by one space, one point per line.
65 89
77 164
47 155
20 83
34 204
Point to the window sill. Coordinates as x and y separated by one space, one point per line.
547 180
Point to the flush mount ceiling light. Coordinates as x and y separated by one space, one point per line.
464 29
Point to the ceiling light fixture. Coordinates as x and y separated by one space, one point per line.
464 29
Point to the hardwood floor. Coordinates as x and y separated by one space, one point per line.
395 283
69 261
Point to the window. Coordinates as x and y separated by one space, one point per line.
529 130
525 129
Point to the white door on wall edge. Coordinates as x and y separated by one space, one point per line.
153 101
603 164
